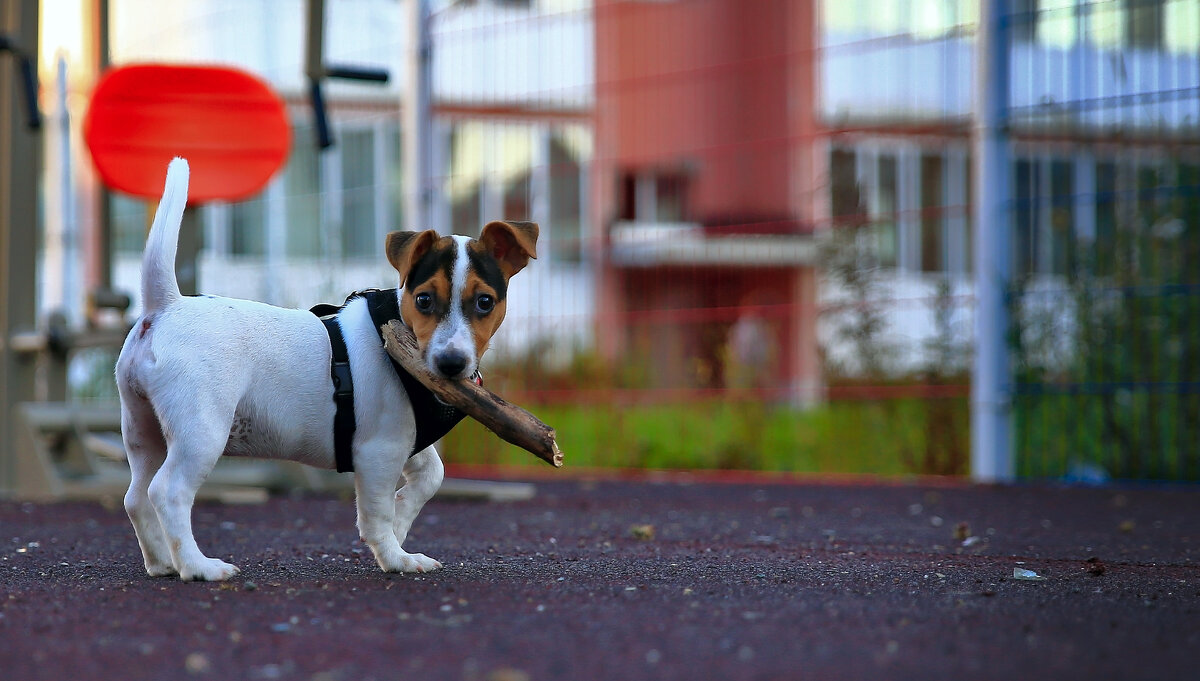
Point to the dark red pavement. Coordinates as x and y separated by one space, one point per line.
630 580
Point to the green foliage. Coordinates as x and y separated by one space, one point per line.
1107 363
942 447
843 437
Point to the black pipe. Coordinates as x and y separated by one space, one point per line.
357 73
29 84
320 120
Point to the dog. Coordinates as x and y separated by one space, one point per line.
203 376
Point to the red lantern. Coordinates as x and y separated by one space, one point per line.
229 125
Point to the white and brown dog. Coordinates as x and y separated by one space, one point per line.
201 377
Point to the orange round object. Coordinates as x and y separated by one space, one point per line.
229 125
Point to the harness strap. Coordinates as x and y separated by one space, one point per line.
343 397
433 418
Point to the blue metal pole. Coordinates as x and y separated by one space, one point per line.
418 119
991 385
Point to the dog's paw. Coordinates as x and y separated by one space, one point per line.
210 570
410 562
160 569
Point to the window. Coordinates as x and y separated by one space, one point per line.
516 198
248 227
1025 215
653 196
845 199
1106 23
1187 198
1149 192
511 169
1023 20
933 217
670 197
302 181
1181 26
1044 216
627 196
1106 217
567 148
357 150
128 223
1050 22
465 181
1152 211
394 162
1062 217
1056 22
1144 21
883 211
465 216
1136 23
865 192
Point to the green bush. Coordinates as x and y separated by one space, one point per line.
852 437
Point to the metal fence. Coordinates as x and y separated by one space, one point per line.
1100 122
758 236
1106 230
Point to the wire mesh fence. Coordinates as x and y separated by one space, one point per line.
756 218
1106 229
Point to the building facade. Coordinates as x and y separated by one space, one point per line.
696 165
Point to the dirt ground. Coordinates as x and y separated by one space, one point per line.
668 579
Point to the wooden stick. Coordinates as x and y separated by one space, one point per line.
510 422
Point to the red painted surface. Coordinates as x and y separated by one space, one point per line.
720 92
231 126
701 87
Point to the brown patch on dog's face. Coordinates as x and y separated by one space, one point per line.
484 308
425 301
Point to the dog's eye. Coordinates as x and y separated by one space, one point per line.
484 303
424 302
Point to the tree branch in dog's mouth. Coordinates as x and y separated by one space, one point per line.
512 423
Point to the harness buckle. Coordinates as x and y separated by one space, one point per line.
343 384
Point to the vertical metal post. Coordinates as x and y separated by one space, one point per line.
314 69
20 168
418 119
314 40
991 385
104 227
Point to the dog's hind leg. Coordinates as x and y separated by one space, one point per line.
196 437
146 450
375 491
423 474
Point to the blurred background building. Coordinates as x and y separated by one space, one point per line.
747 208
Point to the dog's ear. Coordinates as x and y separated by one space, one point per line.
511 243
405 248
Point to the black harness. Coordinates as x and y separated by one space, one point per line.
433 418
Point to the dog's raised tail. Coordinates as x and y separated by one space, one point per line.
160 287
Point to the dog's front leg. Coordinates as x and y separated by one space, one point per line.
423 474
377 472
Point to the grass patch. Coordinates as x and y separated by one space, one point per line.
880 438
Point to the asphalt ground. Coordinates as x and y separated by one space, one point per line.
670 579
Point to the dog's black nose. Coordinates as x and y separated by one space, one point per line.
451 363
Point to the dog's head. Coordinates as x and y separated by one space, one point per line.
454 289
